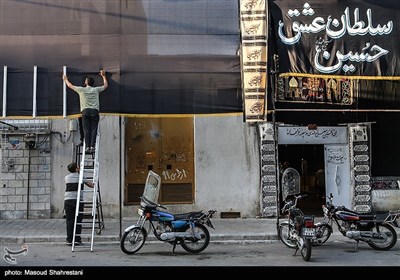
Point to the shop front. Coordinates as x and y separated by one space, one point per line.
329 159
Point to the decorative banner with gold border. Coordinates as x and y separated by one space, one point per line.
253 27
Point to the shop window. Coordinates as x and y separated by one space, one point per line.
165 146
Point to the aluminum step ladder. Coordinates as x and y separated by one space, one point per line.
80 149
89 205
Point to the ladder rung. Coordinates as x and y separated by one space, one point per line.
87 223
83 245
86 213
85 226
85 234
88 219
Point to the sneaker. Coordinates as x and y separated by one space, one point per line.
92 149
68 243
77 243
88 150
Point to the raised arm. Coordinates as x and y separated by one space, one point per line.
103 75
65 79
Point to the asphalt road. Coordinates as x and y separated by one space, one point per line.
50 258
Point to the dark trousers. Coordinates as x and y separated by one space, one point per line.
70 208
81 132
90 121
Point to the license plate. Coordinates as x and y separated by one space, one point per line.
308 232
140 212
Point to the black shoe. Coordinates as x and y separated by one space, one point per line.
88 150
77 243
92 149
80 144
68 243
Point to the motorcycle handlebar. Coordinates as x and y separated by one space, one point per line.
211 212
290 203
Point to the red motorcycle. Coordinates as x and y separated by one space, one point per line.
377 230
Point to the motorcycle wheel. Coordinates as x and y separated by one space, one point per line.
194 245
306 249
323 232
283 234
389 232
133 240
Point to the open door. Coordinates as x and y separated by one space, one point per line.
337 174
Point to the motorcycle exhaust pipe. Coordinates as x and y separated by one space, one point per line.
366 235
173 235
353 234
318 241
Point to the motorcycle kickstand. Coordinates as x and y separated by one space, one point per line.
355 249
173 249
295 252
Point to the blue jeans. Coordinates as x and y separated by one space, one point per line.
90 121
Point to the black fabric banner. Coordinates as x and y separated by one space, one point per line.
181 57
355 38
161 56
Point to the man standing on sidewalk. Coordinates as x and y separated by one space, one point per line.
70 200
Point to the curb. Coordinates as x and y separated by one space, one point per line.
228 238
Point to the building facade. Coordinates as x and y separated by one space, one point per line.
178 102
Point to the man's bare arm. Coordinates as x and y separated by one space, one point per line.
68 83
103 75
89 184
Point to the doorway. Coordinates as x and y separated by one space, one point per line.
308 160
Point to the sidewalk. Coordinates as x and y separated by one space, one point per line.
54 230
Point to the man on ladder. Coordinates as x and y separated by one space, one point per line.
70 202
90 107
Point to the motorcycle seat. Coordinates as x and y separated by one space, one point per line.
367 217
360 216
187 216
